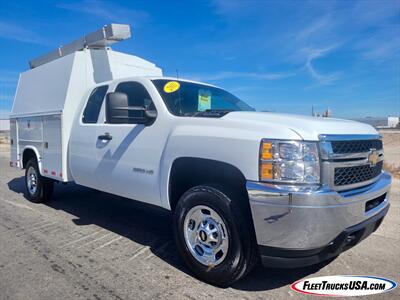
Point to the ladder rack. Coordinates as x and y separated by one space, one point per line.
102 38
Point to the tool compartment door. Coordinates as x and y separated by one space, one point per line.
52 146
14 158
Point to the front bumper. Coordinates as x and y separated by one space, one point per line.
304 226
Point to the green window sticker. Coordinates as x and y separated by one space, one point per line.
204 100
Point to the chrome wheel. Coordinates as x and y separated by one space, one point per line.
32 180
206 235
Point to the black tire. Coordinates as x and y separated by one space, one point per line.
44 186
242 254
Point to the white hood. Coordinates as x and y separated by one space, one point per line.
309 128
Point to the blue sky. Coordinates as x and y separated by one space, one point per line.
282 56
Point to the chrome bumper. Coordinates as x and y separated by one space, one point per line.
310 219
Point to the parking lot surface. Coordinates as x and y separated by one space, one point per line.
86 244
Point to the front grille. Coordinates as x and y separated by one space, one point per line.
355 146
356 174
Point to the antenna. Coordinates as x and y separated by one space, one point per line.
177 74
102 38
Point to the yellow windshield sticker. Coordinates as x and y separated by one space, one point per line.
171 86
204 100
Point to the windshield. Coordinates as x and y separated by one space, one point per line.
192 99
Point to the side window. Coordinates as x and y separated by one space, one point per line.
93 106
137 95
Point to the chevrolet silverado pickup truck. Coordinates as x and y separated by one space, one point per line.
243 186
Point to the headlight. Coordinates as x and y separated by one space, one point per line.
289 162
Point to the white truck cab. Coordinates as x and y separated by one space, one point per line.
242 185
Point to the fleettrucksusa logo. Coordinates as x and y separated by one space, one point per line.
343 285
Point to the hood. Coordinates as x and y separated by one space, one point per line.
309 128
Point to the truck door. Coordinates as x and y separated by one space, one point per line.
84 143
130 154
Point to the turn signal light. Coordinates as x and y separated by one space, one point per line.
266 150
266 171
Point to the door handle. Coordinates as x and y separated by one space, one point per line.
105 137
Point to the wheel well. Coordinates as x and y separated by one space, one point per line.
187 172
26 156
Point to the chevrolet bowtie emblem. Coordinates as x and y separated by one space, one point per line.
373 157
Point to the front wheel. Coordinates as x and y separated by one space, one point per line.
39 189
213 235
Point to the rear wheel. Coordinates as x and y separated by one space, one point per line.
39 189
213 235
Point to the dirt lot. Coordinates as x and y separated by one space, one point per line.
4 137
391 141
91 245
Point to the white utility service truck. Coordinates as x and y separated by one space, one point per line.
242 185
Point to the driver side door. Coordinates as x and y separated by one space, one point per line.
129 154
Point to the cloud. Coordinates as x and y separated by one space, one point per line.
314 53
15 32
383 51
367 30
224 75
376 13
382 46
107 10
315 31
313 41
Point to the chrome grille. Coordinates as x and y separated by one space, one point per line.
355 146
356 174
349 161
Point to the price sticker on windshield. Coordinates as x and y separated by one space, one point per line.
204 100
171 86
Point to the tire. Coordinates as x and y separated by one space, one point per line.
38 188
217 203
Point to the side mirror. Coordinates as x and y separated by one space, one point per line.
118 111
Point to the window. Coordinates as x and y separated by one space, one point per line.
194 99
93 106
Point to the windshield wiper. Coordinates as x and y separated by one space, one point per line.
212 113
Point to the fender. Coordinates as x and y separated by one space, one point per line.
216 143
187 172
38 157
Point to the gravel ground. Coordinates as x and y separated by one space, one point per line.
91 245
391 141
